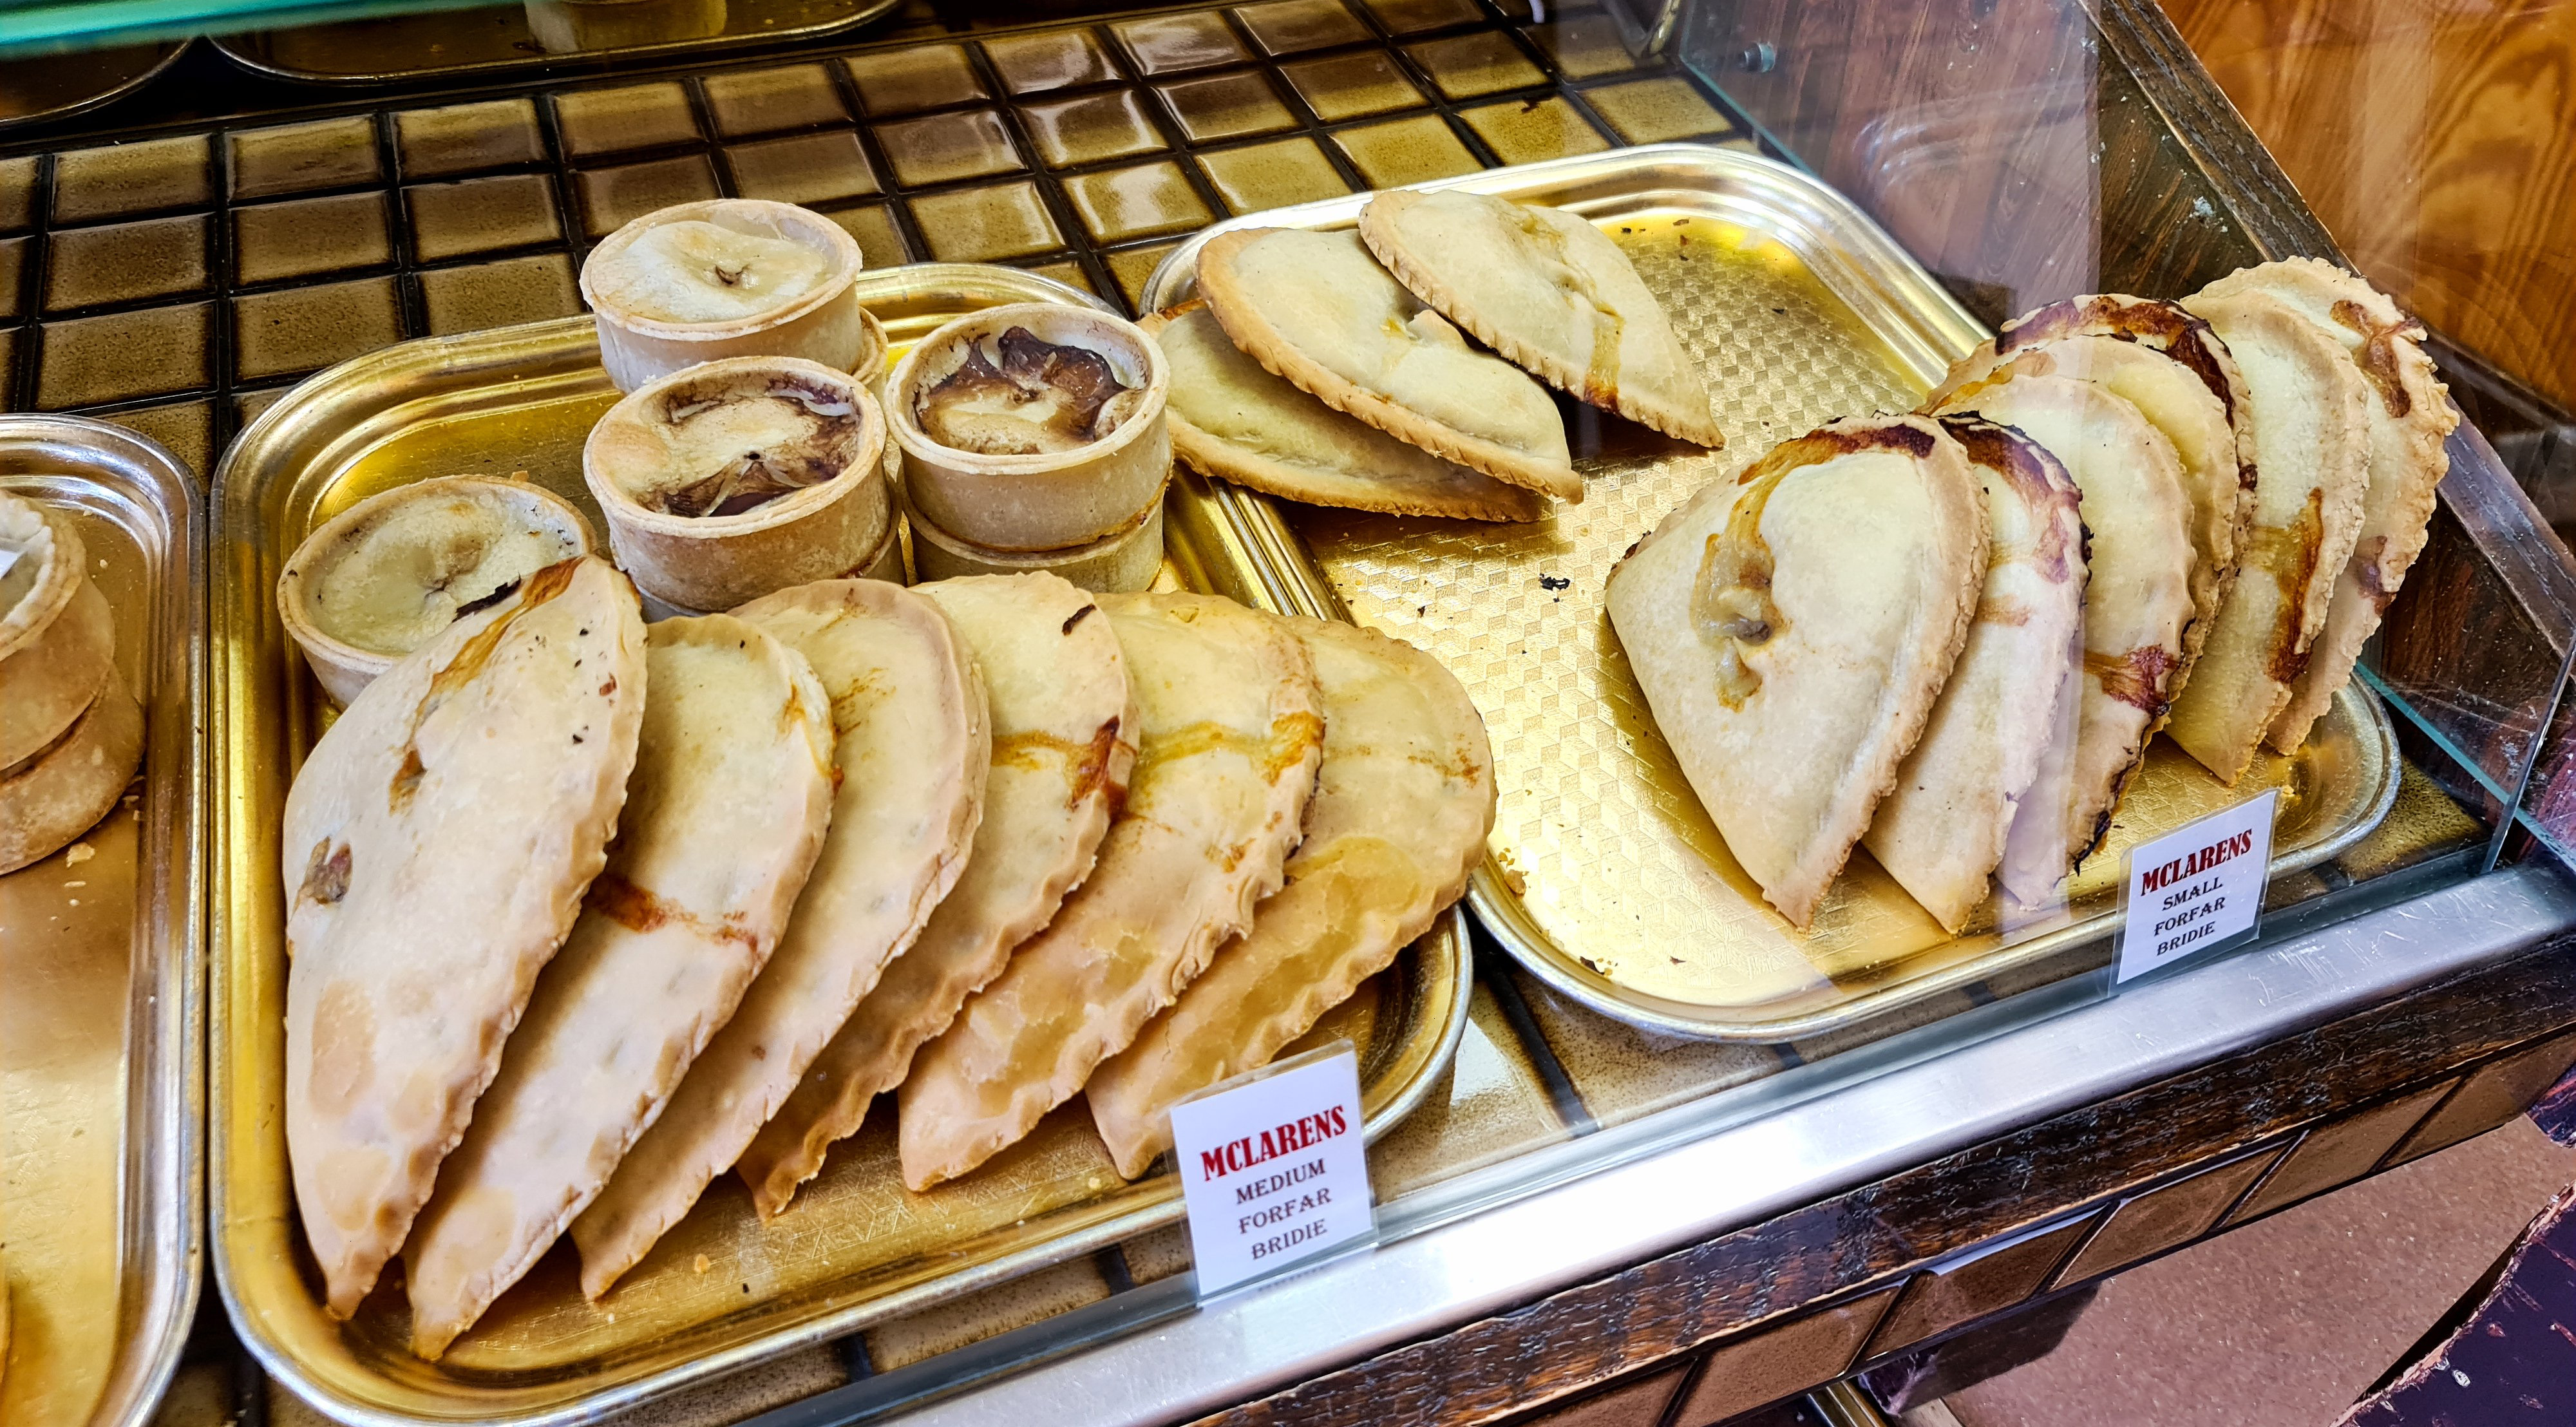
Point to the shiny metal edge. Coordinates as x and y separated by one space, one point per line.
1537 953
163 1214
233 48
279 435
1681 1183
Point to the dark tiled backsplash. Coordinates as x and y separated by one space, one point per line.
176 281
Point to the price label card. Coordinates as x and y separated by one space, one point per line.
8 557
1273 1168
2198 889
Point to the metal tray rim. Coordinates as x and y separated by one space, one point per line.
167 1010
249 1321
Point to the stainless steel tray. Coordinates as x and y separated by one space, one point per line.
102 1030
37 87
855 1249
1606 878
495 40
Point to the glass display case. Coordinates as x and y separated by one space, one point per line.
1664 1124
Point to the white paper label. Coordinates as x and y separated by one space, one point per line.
8 557
2197 888
1274 1170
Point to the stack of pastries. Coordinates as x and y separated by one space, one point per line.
583 913
71 733
1334 368
1948 636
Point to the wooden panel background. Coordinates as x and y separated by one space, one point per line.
2437 140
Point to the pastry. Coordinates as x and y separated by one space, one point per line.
388 574
911 748
731 479
1316 309
2410 416
2174 370
1063 743
1943 830
435 850
1233 420
1036 426
724 815
727 277
1792 628
2137 597
1121 562
61 791
57 636
2307 409
1551 293
1230 731
1403 800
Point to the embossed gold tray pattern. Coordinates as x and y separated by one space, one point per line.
1606 878
855 1249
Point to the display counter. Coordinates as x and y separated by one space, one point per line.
1643 1148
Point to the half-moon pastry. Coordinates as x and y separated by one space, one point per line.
1063 743
1943 830
2137 598
385 576
1231 419
1036 426
724 815
435 851
1551 293
2308 409
61 791
727 277
2188 406
731 479
1316 309
910 748
2410 417
1230 729
1403 800
57 636
1792 628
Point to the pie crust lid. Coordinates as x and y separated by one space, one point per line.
760 216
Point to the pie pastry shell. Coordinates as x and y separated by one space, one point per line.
1403 800
2308 412
1124 561
1866 542
56 675
714 562
1064 743
824 324
1233 420
2411 419
344 668
52 798
1057 500
1551 293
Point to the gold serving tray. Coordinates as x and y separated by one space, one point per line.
1606 878
720 1291
102 1090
